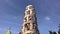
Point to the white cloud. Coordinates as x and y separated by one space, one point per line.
47 18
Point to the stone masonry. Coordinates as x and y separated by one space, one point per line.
30 21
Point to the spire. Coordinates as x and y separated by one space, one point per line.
30 22
8 32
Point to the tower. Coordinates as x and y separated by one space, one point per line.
30 21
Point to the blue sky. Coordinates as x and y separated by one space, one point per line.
12 14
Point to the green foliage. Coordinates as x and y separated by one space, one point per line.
54 33
8 32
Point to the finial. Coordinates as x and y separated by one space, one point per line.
30 7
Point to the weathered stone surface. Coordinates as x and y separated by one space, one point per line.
30 21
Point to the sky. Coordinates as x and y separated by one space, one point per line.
12 14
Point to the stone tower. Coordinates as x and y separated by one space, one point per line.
30 21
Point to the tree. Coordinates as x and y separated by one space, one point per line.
50 32
54 33
8 32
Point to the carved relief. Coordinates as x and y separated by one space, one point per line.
28 12
27 26
25 19
34 25
29 18
30 23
